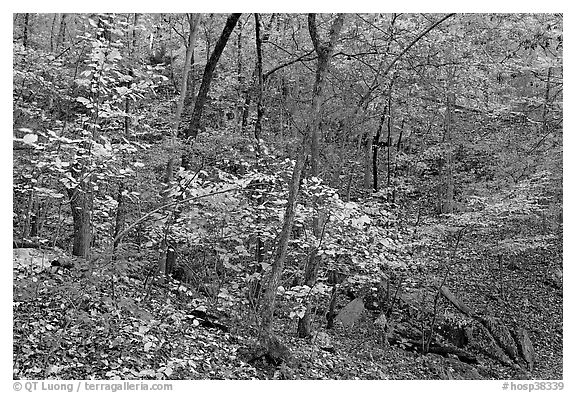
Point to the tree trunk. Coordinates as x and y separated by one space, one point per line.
194 22
248 100
52 29
546 103
81 205
134 46
389 137
120 213
331 314
239 64
168 254
324 51
194 126
260 90
375 150
269 298
447 202
61 32
368 159
25 30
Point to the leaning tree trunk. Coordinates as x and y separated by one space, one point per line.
194 126
269 298
324 51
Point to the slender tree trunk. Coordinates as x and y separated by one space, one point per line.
133 55
120 213
324 51
25 30
260 90
247 101
28 215
81 205
398 147
269 299
52 29
546 102
257 133
167 255
331 314
399 143
368 159
447 205
194 126
135 35
35 220
239 64
167 259
61 31
375 150
194 22
389 137
386 116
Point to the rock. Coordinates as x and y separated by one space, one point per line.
455 369
459 304
381 321
501 335
526 348
480 340
350 314
324 341
449 368
32 257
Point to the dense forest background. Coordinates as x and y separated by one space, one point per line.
287 196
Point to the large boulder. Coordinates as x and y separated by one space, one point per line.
350 314
25 257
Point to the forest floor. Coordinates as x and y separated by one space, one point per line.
69 327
